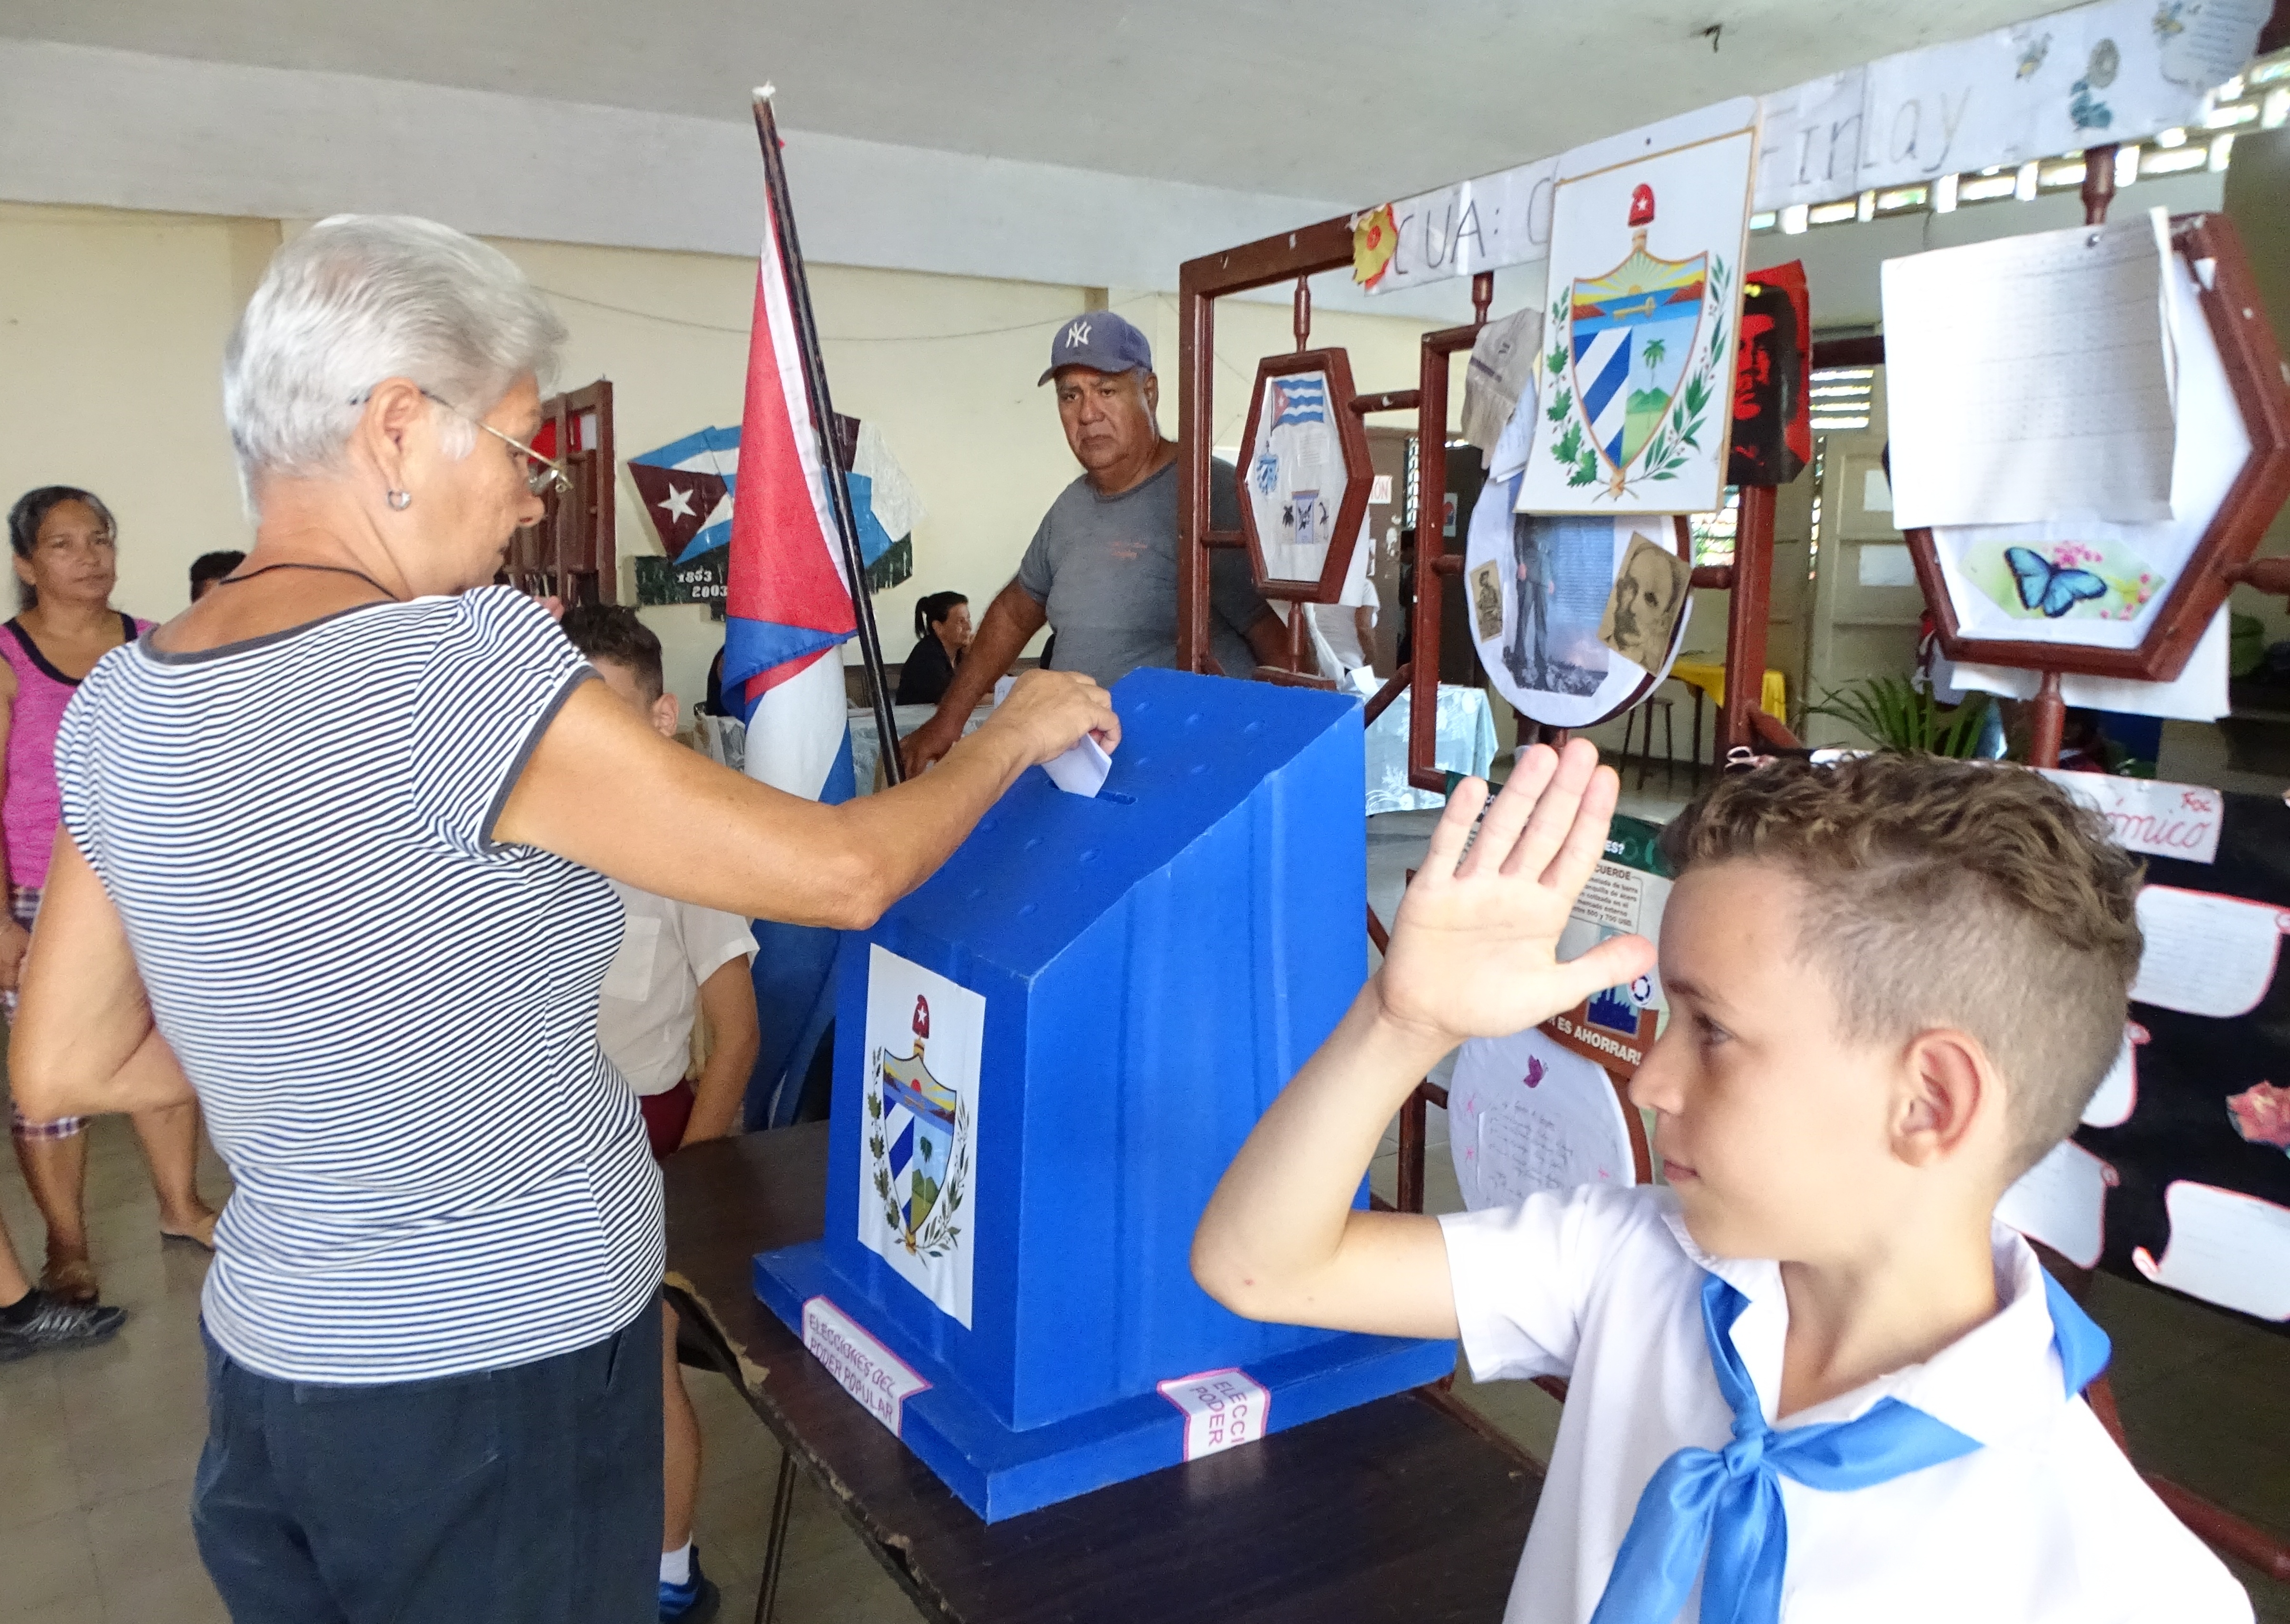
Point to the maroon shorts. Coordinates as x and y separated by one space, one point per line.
665 1116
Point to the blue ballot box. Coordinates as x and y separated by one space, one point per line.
1045 1060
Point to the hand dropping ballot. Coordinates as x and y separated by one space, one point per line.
1080 771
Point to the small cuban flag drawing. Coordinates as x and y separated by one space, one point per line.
1299 400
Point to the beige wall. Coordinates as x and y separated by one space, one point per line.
111 333
112 325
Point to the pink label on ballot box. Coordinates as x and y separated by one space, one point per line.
868 1372
1222 1408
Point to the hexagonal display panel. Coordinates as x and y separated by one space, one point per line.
2130 600
1304 475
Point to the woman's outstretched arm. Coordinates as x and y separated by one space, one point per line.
601 786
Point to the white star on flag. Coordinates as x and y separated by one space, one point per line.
679 504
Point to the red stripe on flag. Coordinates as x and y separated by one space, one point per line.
782 566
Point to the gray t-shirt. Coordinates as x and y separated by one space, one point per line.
1105 568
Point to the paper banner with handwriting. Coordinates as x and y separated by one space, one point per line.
2119 70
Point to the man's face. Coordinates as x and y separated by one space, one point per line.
1108 416
1771 1127
1640 612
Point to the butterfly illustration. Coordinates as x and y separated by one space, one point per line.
2047 586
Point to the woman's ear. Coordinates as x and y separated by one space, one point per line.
23 568
393 408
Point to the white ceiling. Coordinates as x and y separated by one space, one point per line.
1350 100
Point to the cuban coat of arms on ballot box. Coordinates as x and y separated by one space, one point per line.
1635 390
917 1189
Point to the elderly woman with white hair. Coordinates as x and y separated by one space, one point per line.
333 859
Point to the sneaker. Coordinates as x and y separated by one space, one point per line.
693 1602
56 1323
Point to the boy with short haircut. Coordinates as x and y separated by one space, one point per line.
674 956
1813 1377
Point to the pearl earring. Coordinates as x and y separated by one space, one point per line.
401 499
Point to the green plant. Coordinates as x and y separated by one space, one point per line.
1894 713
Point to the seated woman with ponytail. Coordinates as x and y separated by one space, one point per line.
942 632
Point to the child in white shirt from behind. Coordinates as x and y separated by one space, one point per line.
1813 1379
677 962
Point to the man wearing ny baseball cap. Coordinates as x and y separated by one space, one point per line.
1102 572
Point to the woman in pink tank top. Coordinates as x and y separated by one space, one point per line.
65 547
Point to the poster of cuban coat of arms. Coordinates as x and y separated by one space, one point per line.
917 1179
1646 239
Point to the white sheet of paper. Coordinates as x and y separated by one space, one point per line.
1887 563
2226 1248
2030 378
2149 815
2206 953
2213 446
2117 1094
2062 1201
1081 770
1526 1115
2197 694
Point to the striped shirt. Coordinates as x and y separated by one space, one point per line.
390 1018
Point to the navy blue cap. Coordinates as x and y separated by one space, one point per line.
1099 341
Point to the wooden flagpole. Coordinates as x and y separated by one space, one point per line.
822 411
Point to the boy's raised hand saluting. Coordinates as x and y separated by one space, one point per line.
1474 951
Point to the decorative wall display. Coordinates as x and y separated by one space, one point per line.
1646 239
686 488
2085 594
1304 475
1543 588
704 579
2179 1174
918 1203
1525 1115
2117 71
1625 896
1772 381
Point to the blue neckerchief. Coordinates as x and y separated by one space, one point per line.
1718 1513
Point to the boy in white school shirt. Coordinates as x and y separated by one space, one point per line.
1813 1380
675 960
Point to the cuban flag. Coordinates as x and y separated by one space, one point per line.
686 489
1299 400
788 613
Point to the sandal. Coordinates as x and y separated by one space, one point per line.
201 1236
70 1280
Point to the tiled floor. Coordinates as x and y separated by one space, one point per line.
97 1448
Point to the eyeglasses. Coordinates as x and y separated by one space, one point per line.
542 475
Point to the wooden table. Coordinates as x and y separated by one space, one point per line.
1409 1508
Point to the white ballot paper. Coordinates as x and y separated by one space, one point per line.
2032 378
1082 769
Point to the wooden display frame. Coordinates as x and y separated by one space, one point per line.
1359 476
2253 365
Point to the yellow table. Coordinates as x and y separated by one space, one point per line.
1708 676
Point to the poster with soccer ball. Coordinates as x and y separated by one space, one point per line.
918 1182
